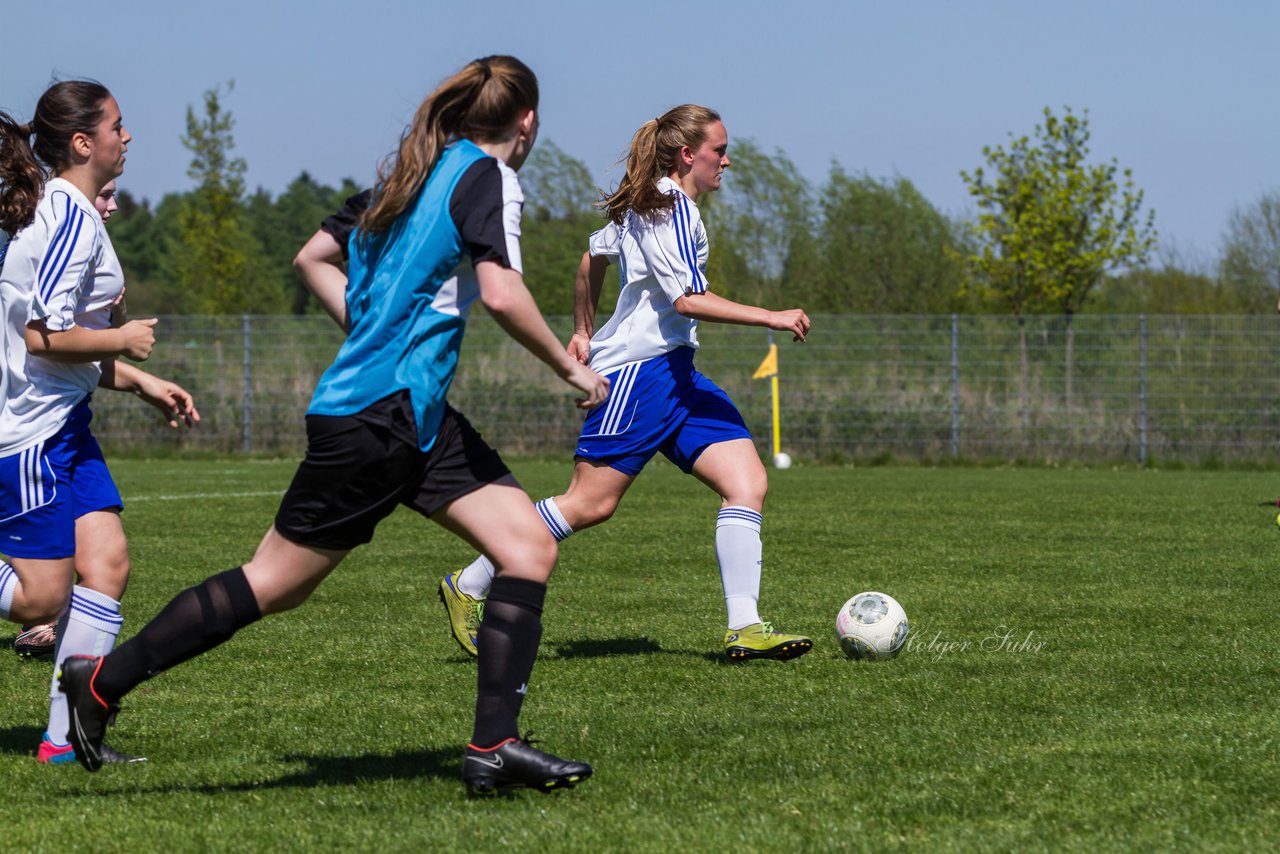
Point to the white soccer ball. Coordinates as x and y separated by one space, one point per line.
782 461
871 626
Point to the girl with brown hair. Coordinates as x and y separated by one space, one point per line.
442 231
660 402
59 508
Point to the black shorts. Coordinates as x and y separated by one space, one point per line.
359 467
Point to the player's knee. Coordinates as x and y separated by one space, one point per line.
44 605
106 573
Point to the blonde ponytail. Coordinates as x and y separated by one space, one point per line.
655 151
481 102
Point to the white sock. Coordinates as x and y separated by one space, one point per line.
8 584
89 627
476 578
739 553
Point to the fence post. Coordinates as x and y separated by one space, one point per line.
247 419
1142 389
955 387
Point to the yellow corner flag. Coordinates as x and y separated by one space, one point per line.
769 367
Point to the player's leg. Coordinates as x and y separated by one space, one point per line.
91 623
350 480
281 576
37 533
615 443
499 521
714 445
593 496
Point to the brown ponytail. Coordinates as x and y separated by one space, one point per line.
481 102
655 150
21 178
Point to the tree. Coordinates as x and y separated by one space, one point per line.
880 247
559 216
1250 265
760 217
1050 226
219 262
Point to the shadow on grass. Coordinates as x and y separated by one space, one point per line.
443 764
20 740
608 647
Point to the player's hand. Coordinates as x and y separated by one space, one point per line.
587 381
139 339
580 348
793 320
171 399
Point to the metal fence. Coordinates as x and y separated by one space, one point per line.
1134 388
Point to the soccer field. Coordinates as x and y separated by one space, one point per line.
1091 664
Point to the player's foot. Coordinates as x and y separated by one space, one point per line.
90 714
36 641
64 754
54 754
759 640
464 613
515 763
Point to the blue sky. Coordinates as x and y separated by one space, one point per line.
1183 93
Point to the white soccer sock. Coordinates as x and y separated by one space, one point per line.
551 514
739 553
8 584
89 626
476 578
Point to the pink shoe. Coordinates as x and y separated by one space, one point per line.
54 754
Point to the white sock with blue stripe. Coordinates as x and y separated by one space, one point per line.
8 584
740 554
478 575
89 627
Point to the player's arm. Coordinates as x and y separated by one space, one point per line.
320 266
586 299
173 401
134 340
708 306
507 299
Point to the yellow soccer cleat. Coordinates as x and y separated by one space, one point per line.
759 640
464 613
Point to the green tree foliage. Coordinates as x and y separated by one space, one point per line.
1250 265
559 216
1050 225
281 225
760 218
880 247
221 266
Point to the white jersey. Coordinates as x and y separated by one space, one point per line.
63 270
662 259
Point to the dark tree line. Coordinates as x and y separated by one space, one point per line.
1051 229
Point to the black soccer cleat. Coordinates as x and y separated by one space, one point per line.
111 756
515 763
90 714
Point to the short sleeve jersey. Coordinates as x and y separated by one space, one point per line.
340 225
409 289
661 259
62 270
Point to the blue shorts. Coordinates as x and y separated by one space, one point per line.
660 404
45 488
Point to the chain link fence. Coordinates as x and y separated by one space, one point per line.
1125 388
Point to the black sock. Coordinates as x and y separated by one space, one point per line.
198 619
508 644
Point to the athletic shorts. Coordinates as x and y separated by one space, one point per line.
660 404
359 467
45 488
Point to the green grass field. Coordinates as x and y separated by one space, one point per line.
1091 665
